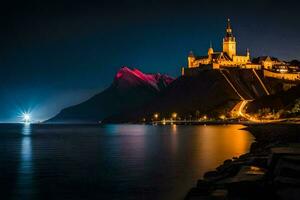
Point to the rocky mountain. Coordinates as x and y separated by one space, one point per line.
131 89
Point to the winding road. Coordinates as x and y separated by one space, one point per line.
240 110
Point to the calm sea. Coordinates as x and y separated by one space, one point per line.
112 161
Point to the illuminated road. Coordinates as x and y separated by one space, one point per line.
239 109
241 112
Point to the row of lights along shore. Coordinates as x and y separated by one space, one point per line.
174 117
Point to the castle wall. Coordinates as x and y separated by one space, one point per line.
267 64
240 59
283 76
191 61
251 66
196 63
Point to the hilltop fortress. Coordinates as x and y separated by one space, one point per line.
228 58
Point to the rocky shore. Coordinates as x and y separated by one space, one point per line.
271 170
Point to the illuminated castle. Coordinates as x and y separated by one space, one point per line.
227 58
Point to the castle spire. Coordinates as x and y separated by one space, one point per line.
228 29
210 49
191 54
229 44
228 24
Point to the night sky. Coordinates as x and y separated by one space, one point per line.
58 53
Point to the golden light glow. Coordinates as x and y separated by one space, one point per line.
156 115
174 128
217 143
240 111
222 117
174 115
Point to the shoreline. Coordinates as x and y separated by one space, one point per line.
270 170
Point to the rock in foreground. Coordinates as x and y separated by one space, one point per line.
270 171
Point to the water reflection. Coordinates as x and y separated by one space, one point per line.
218 143
174 128
174 140
26 129
24 187
114 161
130 145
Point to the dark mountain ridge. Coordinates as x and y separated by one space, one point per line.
130 90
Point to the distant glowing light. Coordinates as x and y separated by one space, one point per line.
174 115
26 117
222 117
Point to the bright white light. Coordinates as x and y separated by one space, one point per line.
26 117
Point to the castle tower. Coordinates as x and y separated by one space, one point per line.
248 54
191 59
229 44
210 50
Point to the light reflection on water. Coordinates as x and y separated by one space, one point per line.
24 185
26 129
116 161
218 143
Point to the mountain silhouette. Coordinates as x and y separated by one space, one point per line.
130 90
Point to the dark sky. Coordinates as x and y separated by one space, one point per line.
58 53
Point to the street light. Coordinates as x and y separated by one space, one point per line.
174 115
222 117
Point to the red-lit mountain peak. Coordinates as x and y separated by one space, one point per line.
127 77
